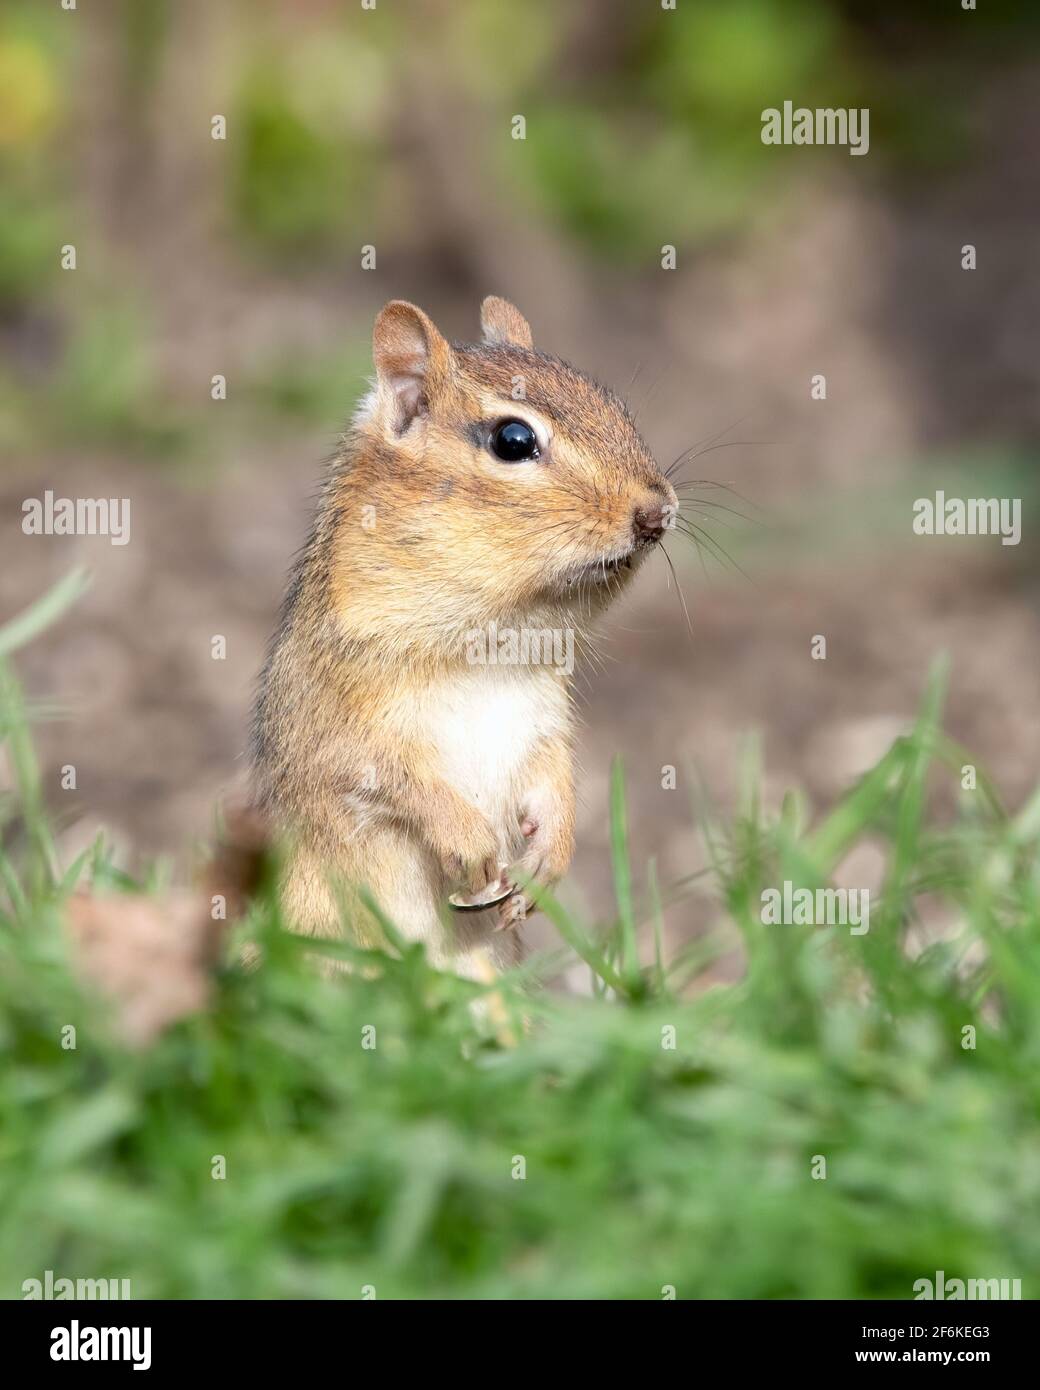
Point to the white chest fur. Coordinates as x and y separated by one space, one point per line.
484 724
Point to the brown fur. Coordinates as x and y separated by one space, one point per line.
422 536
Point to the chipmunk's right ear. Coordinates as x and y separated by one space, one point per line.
410 358
503 324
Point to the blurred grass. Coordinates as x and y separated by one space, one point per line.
822 529
300 171
323 152
647 1165
106 394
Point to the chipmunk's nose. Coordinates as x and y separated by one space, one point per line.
649 523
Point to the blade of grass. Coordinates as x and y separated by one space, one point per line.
15 729
657 919
629 957
575 938
45 611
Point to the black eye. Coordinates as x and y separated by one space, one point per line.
512 441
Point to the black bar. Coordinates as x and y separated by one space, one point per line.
187 1338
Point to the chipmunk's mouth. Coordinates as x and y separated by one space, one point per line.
600 571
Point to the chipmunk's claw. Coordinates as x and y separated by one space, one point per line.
496 889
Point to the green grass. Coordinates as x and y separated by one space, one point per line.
646 1166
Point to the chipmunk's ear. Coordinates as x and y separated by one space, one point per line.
503 324
410 359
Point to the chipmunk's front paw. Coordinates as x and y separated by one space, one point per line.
477 878
470 860
545 860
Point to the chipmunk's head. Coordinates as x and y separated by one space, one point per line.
500 475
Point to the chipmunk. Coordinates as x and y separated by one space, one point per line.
486 488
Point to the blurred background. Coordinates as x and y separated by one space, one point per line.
392 128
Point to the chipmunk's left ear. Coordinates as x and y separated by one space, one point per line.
411 359
503 324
